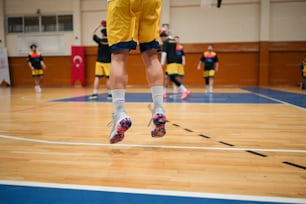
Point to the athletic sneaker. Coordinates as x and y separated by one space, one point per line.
159 121
185 94
93 97
37 89
121 123
211 89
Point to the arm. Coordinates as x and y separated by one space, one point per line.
29 63
216 66
95 29
43 64
199 65
183 60
163 58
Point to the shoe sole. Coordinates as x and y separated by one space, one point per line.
159 121
122 127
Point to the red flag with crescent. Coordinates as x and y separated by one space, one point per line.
77 64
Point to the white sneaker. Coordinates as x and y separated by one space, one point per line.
37 89
121 123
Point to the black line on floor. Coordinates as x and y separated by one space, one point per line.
295 165
201 135
225 143
188 130
176 125
256 153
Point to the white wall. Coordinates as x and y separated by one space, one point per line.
288 21
235 21
92 12
230 23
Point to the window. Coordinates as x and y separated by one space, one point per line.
65 23
31 24
50 23
15 24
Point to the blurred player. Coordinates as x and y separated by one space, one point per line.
130 22
103 62
169 55
211 65
303 73
36 63
181 61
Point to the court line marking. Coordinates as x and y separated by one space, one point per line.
274 99
154 192
149 146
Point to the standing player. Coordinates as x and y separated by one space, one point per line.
36 63
169 54
211 65
103 62
181 60
129 22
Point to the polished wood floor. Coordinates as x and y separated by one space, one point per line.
251 149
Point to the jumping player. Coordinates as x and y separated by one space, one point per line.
130 22
36 63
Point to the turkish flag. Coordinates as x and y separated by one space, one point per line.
77 64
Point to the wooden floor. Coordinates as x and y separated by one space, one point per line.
250 149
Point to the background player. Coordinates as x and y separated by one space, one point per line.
169 54
211 65
103 62
181 61
36 63
303 73
129 22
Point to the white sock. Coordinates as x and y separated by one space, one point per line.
95 91
157 96
182 88
118 100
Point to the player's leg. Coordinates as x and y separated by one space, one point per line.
98 75
106 70
37 75
166 84
120 32
154 74
149 46
118 81
211 81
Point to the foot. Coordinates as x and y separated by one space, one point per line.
93 97
185 94
121 123
159 121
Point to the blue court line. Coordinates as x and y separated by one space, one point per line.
288 97
239 98
17 194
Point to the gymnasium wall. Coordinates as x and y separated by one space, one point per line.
235 30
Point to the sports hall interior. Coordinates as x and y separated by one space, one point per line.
244 143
